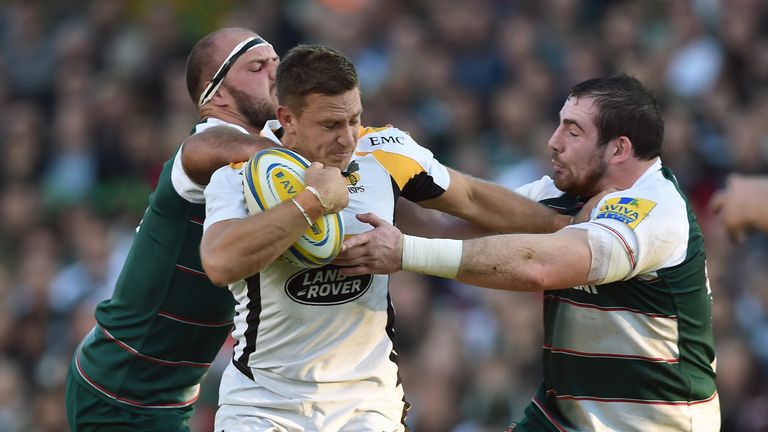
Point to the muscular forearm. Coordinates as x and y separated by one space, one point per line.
234 249
507 212
515 262
525 262
207 151
415 220
495 208
491 262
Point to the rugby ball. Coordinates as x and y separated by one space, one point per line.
276 174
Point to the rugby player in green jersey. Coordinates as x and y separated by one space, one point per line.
627 307
140 367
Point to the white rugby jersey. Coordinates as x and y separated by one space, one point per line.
313 333
185 186
635 354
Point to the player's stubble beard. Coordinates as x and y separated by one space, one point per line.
585 185
255 110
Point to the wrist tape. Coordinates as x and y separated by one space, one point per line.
437 257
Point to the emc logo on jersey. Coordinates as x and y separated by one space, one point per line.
379 140
326 286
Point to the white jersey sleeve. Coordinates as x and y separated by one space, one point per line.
224 196
185 186
648 223
538 190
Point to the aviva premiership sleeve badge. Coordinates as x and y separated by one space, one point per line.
627 210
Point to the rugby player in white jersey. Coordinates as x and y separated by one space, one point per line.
322 359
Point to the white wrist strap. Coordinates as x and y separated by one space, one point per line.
301 209
319 197
437 257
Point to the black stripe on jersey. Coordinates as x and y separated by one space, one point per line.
403 417
395 196
395 188
252 324
421 187
393 357
194 128
243 368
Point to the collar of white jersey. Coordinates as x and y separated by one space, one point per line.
210 122
650 171
269 129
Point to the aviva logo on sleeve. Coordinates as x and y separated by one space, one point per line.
627 210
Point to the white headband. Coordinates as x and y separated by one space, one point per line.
218 77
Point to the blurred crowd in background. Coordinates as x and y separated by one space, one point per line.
93 100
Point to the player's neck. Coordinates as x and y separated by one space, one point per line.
288 140
626 174
230 117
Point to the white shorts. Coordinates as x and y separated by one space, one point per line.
270 412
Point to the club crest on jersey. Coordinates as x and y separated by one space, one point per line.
630 211
326 286
352 180
352 176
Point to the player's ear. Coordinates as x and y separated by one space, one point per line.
621 148
286 118
221 97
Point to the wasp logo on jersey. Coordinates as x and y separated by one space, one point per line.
630 211
352 180
326 286
352 177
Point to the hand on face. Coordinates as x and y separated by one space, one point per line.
378 251
330 184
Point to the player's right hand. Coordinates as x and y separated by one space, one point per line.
378 251
330 184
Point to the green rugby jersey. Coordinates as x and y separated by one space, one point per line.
157 336
636 354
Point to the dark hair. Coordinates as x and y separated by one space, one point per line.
204 60
625 108
307 69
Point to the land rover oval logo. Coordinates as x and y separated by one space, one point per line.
326 286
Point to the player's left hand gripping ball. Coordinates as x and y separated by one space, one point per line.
276 174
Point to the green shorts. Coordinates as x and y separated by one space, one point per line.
88 410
